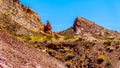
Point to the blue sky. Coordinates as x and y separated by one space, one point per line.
61 13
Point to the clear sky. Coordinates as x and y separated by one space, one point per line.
61 13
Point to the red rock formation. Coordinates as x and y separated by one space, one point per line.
48 28
77 22
76 25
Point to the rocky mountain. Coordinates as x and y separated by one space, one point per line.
25 42
16 19
86 28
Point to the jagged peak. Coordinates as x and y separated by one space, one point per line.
84 27
78 18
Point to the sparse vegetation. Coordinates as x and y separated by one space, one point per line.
36 46
69 55
68 63
109 48
108 42
100 59
70 38
80 39
50 51
108 64
87 45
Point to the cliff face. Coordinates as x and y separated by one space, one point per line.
18 19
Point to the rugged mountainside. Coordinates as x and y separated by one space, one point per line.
18 19
27 43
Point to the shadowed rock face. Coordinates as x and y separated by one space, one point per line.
76 26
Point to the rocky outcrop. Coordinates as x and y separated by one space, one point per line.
19 19
76 26
48 28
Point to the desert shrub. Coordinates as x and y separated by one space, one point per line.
110 38
53 39
109 48
26 38
50 51
60 39
108 42
49 37
57 56
69 38
101 58
108 64
36 46
87 45
38 38
32 38
80 39
69 56
68 63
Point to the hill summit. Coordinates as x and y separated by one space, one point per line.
85 28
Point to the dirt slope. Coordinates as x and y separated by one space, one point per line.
16 54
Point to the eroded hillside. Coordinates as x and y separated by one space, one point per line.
16 19
19 19
27 43
16 54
